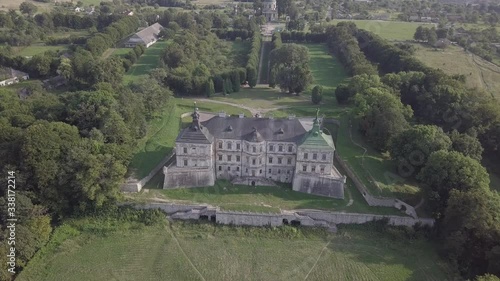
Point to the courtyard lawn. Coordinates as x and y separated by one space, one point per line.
148 61
391 30
200 251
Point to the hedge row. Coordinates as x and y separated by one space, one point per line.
118 30
253 60
226 34
132 56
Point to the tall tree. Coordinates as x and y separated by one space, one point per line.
412 147
448 170
290 65
382 116
28 8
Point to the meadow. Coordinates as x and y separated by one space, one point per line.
201 251
454 60
391 30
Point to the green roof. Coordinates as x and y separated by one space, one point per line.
315 138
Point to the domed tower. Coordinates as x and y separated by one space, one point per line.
270 11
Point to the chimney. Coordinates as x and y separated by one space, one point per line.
241 115
222 114
290 117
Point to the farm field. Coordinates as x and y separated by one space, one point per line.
148 61
453 60
391 30
198 251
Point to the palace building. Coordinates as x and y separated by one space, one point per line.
256 151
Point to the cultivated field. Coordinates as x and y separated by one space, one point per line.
454 60
392 30
184 251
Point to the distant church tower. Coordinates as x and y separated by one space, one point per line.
270 11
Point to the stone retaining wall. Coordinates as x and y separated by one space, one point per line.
296 217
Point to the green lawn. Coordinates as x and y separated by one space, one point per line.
196 251
38 49
392 30
259 198
148 61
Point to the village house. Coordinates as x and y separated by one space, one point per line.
11 76
147 36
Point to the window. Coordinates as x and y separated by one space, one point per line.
185 162
279 171
322 169
323 157
290 148
260 161
306 155
289 161
271 147
315 156
220 168
220 157
280 160
229 168
229 145
280 148
238 158
253 161
260 171
237 169
248 160
254 149
229 158
287 172
238 146
220 144
313 169
270 171
261 149
185 150
246 170
270 160
253 173
247 147
304 168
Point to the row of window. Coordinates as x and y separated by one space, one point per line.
229 145
315 156
237 169
280 160
313 169
185 149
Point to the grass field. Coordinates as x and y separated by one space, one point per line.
38 49
148 61
453 60
391 30
190 251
